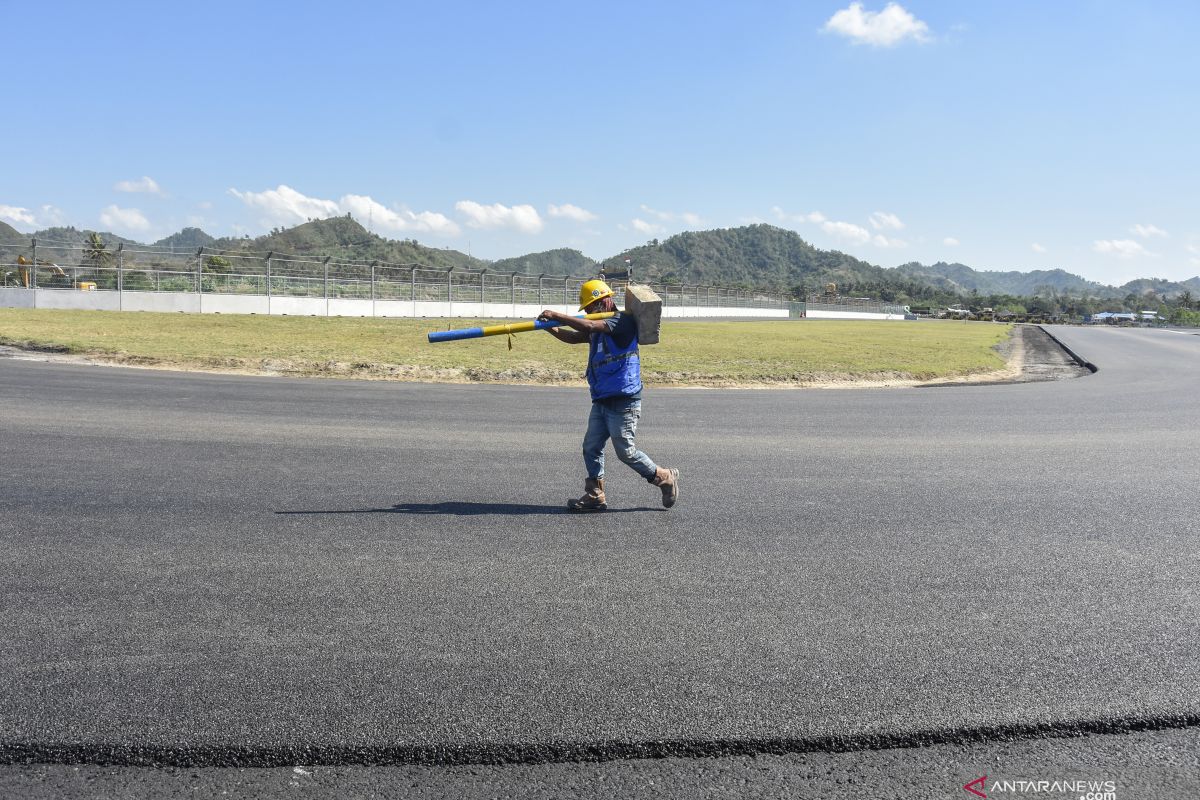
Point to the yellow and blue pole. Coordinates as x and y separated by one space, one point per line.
500 330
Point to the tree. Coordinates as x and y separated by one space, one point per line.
217 264
95 253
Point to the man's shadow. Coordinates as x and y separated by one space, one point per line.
466 509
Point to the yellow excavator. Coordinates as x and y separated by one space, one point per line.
25 271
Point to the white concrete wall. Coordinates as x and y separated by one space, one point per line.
191 302
394 308
152 301
349 308
724 311
298 306
234 304
17 298
73 299
850 315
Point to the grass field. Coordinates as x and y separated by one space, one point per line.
697 353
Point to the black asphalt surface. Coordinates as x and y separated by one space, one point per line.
219 571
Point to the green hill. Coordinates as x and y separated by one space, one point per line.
10 235
1159 286
550 262
187 239
73 237
962 279
346 240
761 256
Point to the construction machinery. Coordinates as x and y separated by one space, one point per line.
24 272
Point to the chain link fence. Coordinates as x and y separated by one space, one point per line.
95 265
861 305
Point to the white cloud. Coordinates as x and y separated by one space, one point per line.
144 185
1037 248
124 219
950 241
648 228
206 205
285 204
883 221
686 217
523 218
18 215
783 216
568 211
877 28
847 231
366 209
879 240
1121 248
49 215
1147 231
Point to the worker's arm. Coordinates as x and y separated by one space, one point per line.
580 324
569 335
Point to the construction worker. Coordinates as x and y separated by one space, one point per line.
614 374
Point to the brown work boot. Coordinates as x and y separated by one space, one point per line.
593 497
668 481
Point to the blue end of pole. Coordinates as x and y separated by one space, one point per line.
451 336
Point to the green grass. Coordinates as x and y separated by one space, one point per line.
702 353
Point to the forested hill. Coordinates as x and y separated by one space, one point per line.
756 255
10 235
346 240
51 237
963 279
551 262
186 239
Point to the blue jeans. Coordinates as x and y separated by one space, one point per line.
615 419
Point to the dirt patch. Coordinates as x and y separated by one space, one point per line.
1029 354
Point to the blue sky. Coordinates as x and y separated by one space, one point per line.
1004 135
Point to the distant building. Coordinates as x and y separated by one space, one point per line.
1117 317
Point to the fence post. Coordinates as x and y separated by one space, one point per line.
200 280
483 291
450 291
513 292
269 283
372 288
413 275
325 282
33 268
121 277
566 297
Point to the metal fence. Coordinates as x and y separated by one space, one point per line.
824 302
47 264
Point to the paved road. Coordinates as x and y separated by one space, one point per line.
217 570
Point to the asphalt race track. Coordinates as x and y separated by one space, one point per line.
861 592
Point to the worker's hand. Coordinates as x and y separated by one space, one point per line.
548 316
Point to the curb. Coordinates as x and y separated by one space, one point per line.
1075 356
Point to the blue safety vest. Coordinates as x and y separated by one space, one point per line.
613 371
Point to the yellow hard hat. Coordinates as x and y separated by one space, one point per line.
591 291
